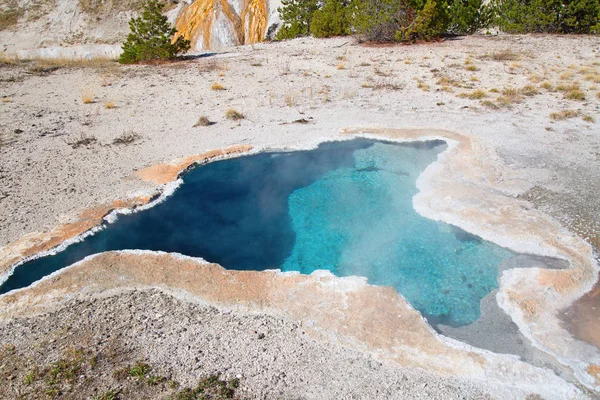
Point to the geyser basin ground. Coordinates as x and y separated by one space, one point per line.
345 207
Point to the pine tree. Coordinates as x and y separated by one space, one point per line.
296 17
469 16
150 37
331 20
549 16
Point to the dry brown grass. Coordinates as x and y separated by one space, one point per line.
474 95
504 55
588 118
562 115
382 72
546 85
203 121
341 66
567 87
592 78
445 80
423 86
575 94
472 68
6 59
291 99
535 78
529 90
110 105
489 104
387 84
234 115
64 62
566 75
87 96
126 138
217 86
509 96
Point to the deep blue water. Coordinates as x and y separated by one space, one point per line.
345 207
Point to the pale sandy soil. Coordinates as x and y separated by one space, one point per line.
333 84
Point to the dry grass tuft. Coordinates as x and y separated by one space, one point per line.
562 115
445 80
291 99
547 86
109 105
566 75
509 96
423 86
575 94
217 86
8 59
82 140
529 90
387 84
474 95
341 66
592 78
203 121
588 118
535 78
504 55
490 104
380 72
87 96
126 138
234 115
472 68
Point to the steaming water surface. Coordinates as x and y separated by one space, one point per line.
345 207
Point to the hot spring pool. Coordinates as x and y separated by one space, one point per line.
345 207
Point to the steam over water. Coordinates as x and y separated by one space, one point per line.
345 207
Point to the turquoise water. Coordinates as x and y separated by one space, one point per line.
345 207
360 221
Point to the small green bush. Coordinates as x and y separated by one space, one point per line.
296 17
331 20
150 37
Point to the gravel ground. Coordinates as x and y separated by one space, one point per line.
272 357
